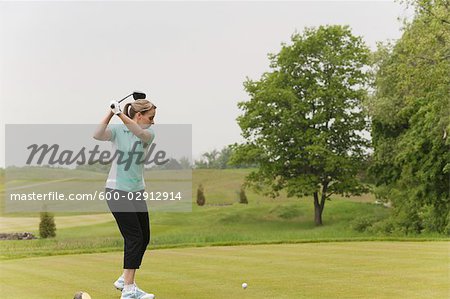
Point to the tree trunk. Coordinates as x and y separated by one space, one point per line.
317 210
319 206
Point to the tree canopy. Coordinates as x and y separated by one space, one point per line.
410 113
305 120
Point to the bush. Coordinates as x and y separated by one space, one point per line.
447 227
378 225
384 227
362 224
407 220
47 227
200 196
433 220
243 196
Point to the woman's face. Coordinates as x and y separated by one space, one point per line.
145 119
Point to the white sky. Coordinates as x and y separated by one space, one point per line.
62 62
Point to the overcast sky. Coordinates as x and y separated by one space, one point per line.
62 62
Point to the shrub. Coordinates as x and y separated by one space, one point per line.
432 219
243 196
47 227
408 220
362 224
384 227
447 227
200 196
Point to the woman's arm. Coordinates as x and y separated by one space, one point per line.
142 134
102 133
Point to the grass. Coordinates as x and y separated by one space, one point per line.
320 270
221 222
221 186
288 222
294 258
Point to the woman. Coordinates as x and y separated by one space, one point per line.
126 183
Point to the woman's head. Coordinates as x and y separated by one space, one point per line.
141 111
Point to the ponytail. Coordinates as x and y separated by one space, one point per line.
128 110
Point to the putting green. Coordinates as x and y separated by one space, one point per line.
314 270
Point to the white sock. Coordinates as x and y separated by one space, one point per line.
128 287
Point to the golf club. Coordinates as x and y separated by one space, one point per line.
136 96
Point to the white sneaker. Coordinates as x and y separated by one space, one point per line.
143 295
119 283
136 293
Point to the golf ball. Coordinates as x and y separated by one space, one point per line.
244 285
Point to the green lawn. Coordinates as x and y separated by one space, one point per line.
287 222
294 258
318 270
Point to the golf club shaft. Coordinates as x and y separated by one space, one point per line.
112 106
136 95
125 98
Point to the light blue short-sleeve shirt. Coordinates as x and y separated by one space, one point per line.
121 176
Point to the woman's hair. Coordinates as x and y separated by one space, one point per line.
131 109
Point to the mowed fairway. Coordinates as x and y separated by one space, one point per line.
314 270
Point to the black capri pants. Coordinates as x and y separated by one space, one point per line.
133 222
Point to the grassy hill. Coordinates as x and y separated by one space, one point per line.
221 186
210 225
222 221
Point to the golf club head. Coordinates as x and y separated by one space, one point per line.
138 95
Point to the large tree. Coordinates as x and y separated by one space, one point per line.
304 121
411 120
